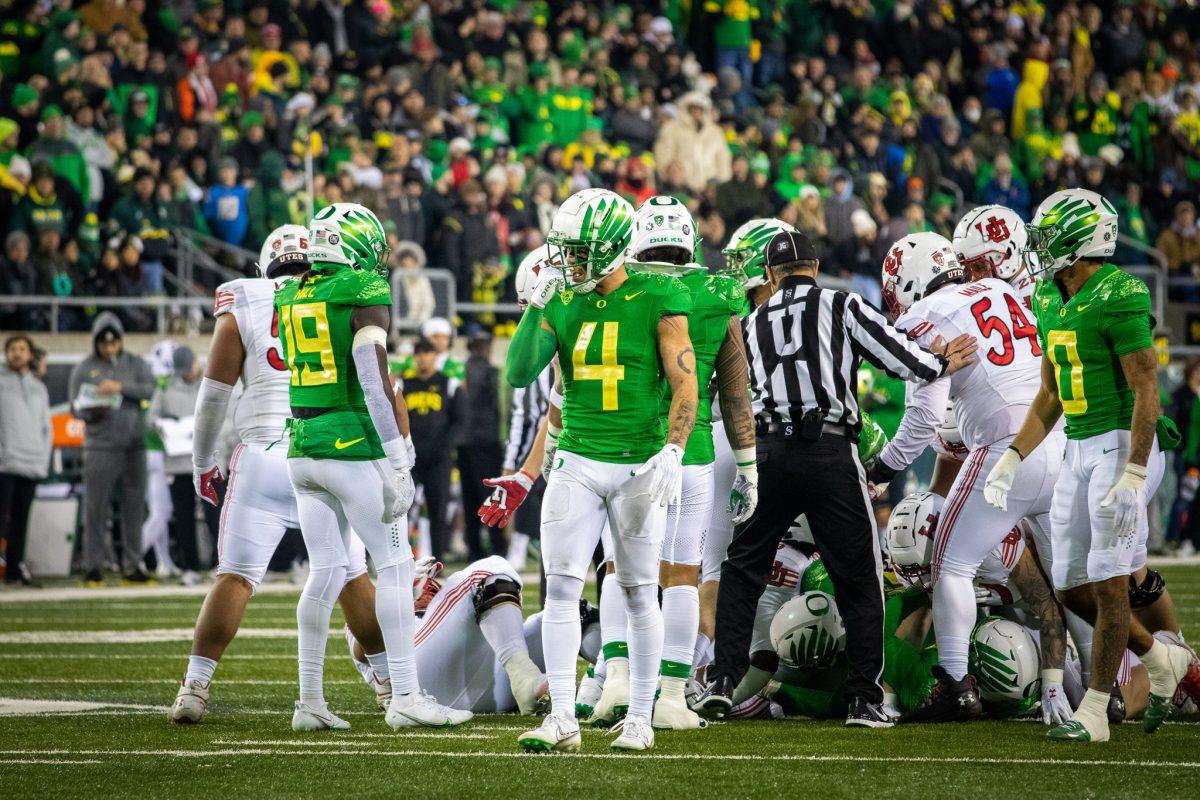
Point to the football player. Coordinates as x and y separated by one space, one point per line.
989 242
617 336
349 455
259 502
924 290
1100 372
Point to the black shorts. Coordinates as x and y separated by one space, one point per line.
528 519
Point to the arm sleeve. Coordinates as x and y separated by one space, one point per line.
516 427
875 339
212 404
1128 322
382 413
925 406
531 349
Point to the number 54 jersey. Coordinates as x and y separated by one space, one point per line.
262 411
992 395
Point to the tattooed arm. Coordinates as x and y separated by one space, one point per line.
679 364
1141 373
732 388
1028 579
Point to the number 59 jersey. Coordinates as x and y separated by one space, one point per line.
990 396
262 411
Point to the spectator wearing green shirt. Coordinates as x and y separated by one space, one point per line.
142 214
733 22
63 156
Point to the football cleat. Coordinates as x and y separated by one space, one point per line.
636 734
191 702
1160 706
556 734
695 686
1116 706
865 714
420 710
1074 731
950 701
588 696
614 700
717 698
672 713
528 684
309 717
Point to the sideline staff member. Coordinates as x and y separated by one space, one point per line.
805 345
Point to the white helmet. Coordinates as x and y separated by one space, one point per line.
528 270
989 241
746 253
1004 660
590 237
807 631
1067 226
287 244
664 237
909 538
349 234
949 441
915 266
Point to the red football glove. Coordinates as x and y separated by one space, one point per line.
206 483
510 491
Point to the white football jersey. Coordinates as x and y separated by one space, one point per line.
990 396
262 412
1023 284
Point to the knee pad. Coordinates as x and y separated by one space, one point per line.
1146 593
563 589
324 584
501 590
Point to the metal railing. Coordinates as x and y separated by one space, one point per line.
1154 273
445 303
165 309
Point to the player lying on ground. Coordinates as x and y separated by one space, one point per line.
260 504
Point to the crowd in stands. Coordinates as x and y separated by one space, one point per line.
464 123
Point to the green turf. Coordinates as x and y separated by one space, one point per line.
245 747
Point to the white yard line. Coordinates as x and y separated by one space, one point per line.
137 657
135 636
164 681
823 758
58 762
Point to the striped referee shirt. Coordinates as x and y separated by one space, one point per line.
805 345
530 404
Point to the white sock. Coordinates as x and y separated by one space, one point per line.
379 665
321 591
1158 669
600 668
200 669
501 626
702 654
645 647
394 610
614 621
681 620
1081 633
1093 714
560 641
953 619
1171 637
518 550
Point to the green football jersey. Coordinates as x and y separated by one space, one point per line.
1084 338
715 298
612 376
315 334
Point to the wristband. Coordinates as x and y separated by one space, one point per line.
746 460
1136 470
556 398
1052 676
1018 452
552 430
398 455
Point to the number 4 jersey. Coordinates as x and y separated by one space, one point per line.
314 328
992 395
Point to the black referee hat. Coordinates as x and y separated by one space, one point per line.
787 247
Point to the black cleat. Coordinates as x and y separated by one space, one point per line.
1116 706
717 698
137 576
865 714
950 701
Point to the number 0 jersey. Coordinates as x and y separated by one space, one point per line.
314 327
1085 337
715 298
262 411
612 377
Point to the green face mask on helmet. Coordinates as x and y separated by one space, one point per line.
1068 226
745 254
349 234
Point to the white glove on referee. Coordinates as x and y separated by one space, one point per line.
1056 709
1129 496
1000 479
666 474
549 283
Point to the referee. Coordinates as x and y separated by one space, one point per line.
805 345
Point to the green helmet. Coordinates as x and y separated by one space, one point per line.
746 251
816 578
1007 667
590 237
351 235
1069 225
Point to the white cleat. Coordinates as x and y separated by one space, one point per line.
590 690
636 735
556 734
672 713
420 710
191 702
614 700
528 684
309 717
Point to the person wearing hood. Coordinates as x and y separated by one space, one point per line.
696 142
114 450
416 291
25 444
839 206
1030 93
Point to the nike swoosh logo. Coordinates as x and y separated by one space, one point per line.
1109 450
1083 307
635 294
340 445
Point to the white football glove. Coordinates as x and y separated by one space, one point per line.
1056 708
549 283
1000 479
551 447
1129 496
666 474
398 493
743 498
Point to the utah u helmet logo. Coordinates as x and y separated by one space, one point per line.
996 230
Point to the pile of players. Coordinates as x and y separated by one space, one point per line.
1028 532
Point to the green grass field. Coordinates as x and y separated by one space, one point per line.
85 682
